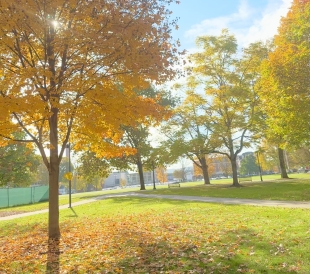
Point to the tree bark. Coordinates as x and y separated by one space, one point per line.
282 163
53 255
204 168
140 169
53 168
53 213
233 161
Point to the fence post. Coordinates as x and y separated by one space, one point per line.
8 197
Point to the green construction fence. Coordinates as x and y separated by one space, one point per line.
22 196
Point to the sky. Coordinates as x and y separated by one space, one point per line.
248 20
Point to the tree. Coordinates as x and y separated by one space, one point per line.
42 175
182 172
137 136
92 168
137 139
282 164
80 184
62 65
220 163
229 82
249 165
198 172
278 143
189 130
268 156
18 164
161 173
299 158
64 168
285 78
285 83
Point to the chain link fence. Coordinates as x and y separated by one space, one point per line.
10 197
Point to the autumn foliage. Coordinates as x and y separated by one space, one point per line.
285 82
161 174
70 69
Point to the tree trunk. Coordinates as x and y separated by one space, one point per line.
282 163
204 168
234 171
140 169
53 98
53 213
53 256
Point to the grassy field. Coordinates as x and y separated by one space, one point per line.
132 235
290 190
272 188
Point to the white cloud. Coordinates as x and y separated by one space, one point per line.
214 26
248 25
265 27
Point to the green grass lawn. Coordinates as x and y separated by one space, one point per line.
141 235
290 190
297 188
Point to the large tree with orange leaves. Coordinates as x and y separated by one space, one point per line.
285 78
69 68
137 137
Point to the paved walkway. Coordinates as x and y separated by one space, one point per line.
231 201
15 216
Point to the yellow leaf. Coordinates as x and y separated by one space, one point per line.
68 176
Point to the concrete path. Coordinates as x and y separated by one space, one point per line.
231 201
15 216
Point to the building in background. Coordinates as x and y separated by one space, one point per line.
124 178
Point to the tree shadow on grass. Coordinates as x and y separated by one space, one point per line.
212 201
236 250
142 201
53 254
216 257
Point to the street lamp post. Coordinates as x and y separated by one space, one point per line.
259 166
153 165
69 169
